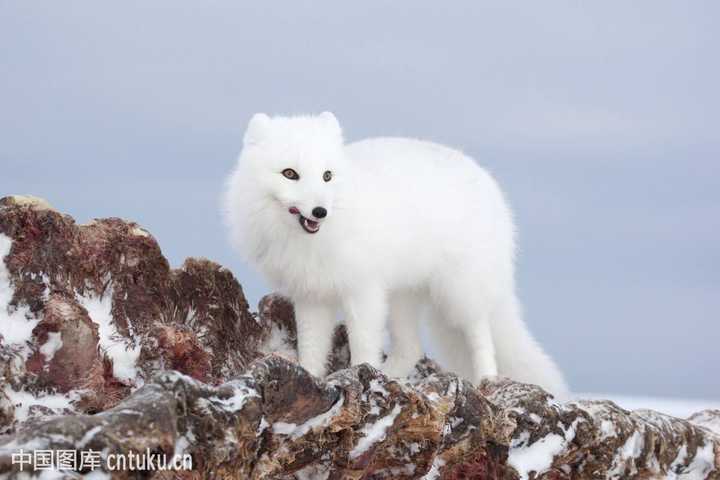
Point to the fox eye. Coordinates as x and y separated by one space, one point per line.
291 174
327 176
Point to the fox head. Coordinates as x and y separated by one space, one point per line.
292 166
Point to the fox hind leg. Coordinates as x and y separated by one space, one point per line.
406 310
449 346
469 312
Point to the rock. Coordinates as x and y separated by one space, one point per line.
92 311
709 419
277 421
106 349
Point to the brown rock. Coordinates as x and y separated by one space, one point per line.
144 316
69 366
277 421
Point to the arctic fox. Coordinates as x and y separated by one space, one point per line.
390 231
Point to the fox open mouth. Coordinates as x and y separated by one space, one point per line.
310 226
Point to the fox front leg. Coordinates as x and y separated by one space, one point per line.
315 326
366 312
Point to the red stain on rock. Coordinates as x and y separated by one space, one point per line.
182 351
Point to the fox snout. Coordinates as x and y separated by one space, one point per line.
309 225
317 212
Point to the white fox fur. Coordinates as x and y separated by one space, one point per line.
413 230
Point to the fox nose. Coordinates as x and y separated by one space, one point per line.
319 212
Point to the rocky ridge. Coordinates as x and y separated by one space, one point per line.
104 347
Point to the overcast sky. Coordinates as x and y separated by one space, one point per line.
599 119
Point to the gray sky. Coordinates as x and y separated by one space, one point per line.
599 119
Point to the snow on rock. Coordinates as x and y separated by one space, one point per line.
52 345
377 387
316 422
375 432
698 469
16 323
89 435
434 472
115 346
235 401
184 443
607 428
22 401
525 456
702 464
625 458
709 419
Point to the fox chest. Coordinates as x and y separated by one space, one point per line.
319 274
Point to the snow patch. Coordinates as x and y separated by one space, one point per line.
703 463
16 324
607 428
626 456
708 419
262 427
236 402
377 387
124 357
184 442
375 432
319 421
89 435
433 397
633 446
22 401
538 456
434 472
51 346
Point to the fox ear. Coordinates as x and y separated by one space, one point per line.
256 129
330 121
